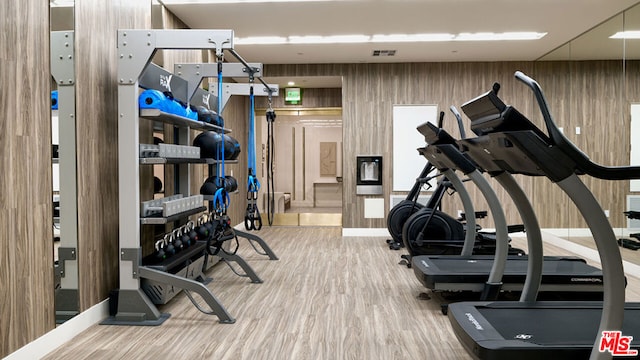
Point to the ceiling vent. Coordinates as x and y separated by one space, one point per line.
384 52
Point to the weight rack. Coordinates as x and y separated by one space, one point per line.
135 50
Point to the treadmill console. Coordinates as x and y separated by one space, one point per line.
434 135
488 114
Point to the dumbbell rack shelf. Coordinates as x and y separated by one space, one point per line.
159 161
159 220
132 304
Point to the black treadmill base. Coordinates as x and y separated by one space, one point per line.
543 330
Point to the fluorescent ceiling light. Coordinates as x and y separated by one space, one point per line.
489 36
390 38
631 34
261 40
62 3
215 2
291 83
333 39
411 37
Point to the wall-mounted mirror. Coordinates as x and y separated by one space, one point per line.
63 126
602 89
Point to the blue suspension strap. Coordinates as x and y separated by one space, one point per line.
252 218
221 198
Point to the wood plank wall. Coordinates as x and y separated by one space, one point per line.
97 22
589 94
26 271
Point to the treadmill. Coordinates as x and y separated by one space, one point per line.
561 277
535 329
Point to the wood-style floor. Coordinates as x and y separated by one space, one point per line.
327 298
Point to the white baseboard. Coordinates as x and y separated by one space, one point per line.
382 232
62 333
564 232
587 253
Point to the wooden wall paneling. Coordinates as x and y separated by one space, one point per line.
369 91
97 22
26 274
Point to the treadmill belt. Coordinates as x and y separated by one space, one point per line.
535 323
554 327
507 330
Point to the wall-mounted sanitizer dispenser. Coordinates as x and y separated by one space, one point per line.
369 175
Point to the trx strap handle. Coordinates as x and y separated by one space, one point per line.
252 219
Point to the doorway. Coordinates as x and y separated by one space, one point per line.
307 166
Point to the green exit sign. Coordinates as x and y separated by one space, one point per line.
293 96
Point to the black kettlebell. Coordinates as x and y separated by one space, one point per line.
186 240
193 234
170 250
160 254
200 228
177 240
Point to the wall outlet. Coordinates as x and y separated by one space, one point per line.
606 213
577 130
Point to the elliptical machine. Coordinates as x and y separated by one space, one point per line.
426 230
442 226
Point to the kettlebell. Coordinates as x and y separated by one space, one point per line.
177 240
169 248
160 254
202 230
186 240
192 232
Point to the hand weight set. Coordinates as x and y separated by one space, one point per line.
208 142
213 183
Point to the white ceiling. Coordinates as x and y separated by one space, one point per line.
562 20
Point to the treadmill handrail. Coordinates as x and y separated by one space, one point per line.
584 164
456 113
